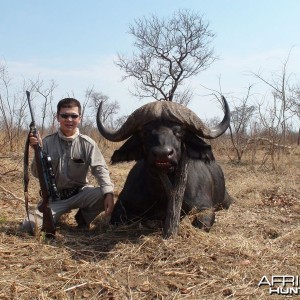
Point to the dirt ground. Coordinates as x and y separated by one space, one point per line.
258 236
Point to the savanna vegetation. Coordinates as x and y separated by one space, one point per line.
258 236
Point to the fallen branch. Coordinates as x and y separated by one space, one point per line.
12 194
262 140
75 287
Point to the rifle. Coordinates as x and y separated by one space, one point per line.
46 178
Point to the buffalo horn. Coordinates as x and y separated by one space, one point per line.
164 110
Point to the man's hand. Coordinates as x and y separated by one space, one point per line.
33 140
108 204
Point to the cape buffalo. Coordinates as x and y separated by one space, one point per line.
175 172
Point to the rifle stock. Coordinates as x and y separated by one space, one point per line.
48 223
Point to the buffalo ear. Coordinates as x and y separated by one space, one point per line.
197 148
131 150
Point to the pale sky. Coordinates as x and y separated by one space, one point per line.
76 43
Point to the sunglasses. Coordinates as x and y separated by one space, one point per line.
67 116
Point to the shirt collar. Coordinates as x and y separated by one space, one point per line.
68 138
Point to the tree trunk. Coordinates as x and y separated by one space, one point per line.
175 194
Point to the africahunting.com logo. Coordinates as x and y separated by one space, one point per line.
281 284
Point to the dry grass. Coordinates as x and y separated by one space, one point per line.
259 235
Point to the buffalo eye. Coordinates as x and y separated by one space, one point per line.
146 134
178 132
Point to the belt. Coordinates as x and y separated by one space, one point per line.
68 193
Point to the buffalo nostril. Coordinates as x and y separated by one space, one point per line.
163 152
170 153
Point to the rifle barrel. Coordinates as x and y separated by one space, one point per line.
30 108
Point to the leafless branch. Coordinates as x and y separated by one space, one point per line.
169 51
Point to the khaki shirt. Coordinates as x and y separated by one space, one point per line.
72 160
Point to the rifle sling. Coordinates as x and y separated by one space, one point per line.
26 181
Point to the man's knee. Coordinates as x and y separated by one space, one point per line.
92 196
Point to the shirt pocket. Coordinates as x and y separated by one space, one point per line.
77 170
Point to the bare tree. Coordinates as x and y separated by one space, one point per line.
295 105
109 108
280 88
121 120
275 116
47 107
240 120
169 51
88 95
12 109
